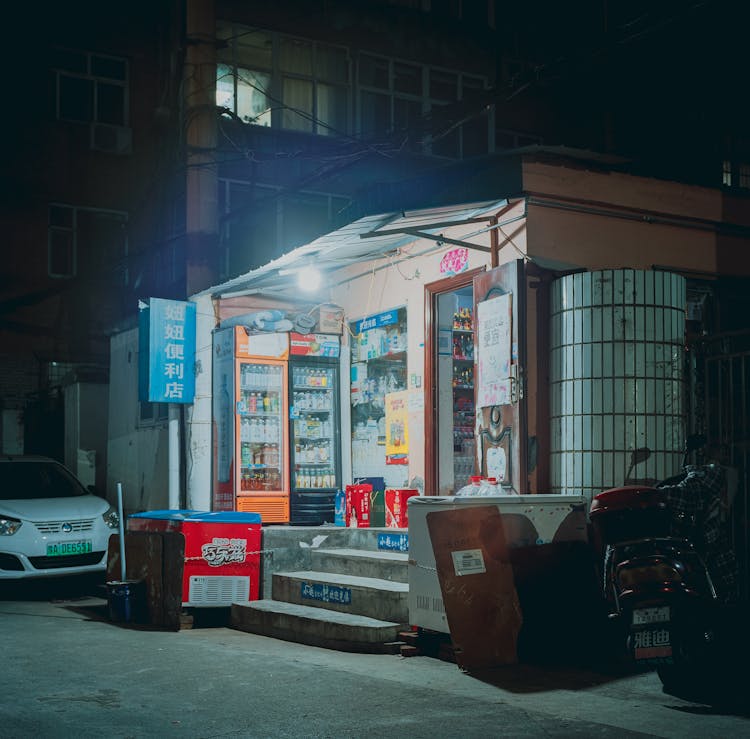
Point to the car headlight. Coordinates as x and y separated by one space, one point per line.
111 518
9 526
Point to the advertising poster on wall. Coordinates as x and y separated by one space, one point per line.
494 351
396 427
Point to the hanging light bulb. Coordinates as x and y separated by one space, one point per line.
308 279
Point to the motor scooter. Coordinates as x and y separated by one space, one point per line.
667 569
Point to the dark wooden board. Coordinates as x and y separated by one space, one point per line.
477 584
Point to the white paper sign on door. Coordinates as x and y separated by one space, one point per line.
496 463
494 351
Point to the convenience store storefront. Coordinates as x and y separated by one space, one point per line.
559 288
403 287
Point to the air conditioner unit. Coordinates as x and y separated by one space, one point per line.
112 139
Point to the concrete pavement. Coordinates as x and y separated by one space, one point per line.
68 671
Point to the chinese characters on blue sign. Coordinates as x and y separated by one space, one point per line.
393 542
167 351
389 318
326 593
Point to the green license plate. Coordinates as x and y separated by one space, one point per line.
62 548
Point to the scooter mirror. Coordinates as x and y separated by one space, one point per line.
639 455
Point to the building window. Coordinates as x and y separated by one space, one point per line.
61 246
270 79
91 88
55 372
261 221
87 241
243 93
152 413
400 98
735 174
275 80
726 173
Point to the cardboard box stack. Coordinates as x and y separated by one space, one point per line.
358 506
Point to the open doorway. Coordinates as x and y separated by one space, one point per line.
449 372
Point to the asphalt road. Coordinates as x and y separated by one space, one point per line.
68 671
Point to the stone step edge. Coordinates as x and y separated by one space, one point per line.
386 556
309 616
331 578
269 605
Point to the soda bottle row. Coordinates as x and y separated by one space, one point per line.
261 402
312 401
266 455
259 430
313 428
463 319
311 477
316 453
260 376
463 346
463 376
260 480
310 377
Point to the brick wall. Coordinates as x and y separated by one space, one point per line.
19 376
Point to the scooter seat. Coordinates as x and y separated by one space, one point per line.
628 497
627 513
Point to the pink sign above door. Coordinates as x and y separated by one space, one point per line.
454 261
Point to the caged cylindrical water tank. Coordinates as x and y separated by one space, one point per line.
616 374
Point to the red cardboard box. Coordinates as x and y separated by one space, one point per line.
396 512
358 506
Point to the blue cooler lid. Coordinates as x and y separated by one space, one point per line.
169 515
224 517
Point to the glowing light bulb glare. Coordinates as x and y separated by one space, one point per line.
309 278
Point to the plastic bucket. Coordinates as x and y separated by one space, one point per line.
126 600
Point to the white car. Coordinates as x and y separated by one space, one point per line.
50 524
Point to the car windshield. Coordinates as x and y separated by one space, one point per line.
33 480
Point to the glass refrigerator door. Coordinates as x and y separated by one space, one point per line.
261 434
314 449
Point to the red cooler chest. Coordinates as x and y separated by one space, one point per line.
222 553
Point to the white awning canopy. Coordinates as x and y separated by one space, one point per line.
368 238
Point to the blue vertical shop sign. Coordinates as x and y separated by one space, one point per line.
166 344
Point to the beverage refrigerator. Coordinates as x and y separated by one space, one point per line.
250 423
315 438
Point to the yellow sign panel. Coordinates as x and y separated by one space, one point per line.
397 427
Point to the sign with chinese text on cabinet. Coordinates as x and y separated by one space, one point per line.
494 351
396 427
166 351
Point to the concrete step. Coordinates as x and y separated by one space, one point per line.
316 626
366 596
362 562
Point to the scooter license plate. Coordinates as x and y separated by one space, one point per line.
653 615
652 644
